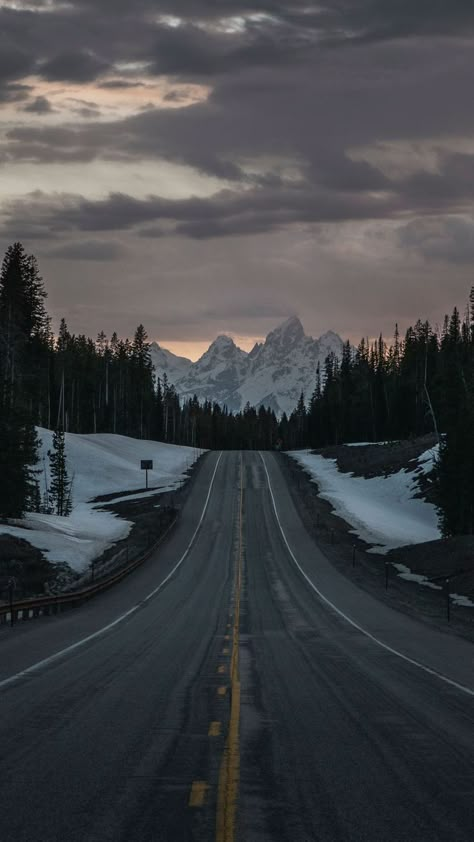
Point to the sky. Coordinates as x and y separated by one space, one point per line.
214 166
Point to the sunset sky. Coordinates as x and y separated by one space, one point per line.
209 167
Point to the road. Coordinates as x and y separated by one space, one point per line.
236 702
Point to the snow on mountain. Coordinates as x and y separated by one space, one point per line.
274 373
285 365
165 362
217 375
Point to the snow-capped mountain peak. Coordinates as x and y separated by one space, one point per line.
165 362
288 333
223 347
274 373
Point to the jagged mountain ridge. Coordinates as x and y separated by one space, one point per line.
274 373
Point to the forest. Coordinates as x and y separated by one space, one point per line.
419 383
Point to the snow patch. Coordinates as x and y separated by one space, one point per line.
404 572
382 510
98 465
463 601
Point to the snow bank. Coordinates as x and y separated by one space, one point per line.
381 510
98 464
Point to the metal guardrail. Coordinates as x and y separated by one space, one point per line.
25 609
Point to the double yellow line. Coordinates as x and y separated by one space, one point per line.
229 772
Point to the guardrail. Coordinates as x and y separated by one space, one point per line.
26 609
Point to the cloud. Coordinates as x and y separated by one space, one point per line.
81 66
95 250
227 213
15 62
14 92
294 95
450 240
346 191
39 105
120 84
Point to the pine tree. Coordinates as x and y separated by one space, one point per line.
471 312
60 487
142 392
18 455
23 322
455 477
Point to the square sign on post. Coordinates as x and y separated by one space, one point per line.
146 465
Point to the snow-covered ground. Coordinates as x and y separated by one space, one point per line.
381 510
98 464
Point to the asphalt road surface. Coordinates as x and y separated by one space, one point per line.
256 696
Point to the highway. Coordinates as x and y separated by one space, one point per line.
236 688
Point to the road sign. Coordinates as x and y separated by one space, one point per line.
146 465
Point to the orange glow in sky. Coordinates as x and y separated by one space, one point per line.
194 350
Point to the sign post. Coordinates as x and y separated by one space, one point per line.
146 465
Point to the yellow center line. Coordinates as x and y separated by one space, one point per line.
221 669
198 793
214 729
222 691
230 767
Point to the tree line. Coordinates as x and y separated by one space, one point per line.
72 383
379 392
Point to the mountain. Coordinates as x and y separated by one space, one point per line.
217 374
274 373
165 361
285 365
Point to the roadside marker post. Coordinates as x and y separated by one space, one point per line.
11 588
448 600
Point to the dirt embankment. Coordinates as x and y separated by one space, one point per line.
25 566
436 560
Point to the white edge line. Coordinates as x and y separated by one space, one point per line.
355 625
57 655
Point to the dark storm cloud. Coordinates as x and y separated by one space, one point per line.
346 99
120 84
96 35
386 19
14 92
80 66
262 208
226 213
294 96
190 51
374 17
40 105
15 62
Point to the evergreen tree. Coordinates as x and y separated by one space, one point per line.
60 485
23 324
18 455
455 477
